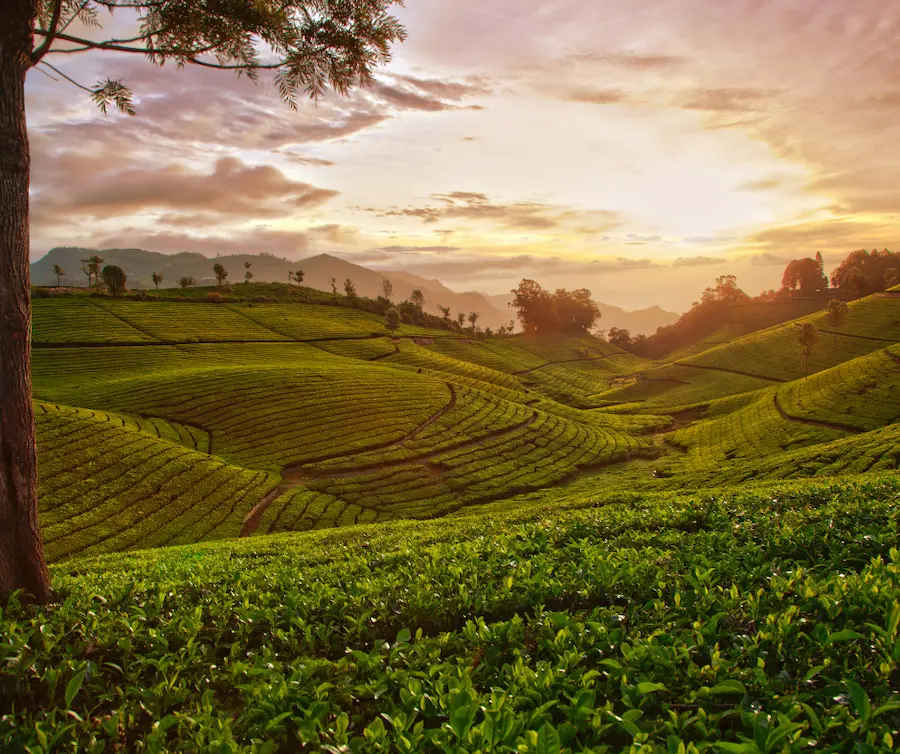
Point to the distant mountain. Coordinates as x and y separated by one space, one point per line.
639 321
139 265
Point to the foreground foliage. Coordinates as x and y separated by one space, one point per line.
763 620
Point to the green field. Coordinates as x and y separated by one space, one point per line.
277 527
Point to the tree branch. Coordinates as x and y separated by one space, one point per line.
67 78
37 54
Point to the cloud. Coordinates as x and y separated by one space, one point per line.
229 190
425 249
767 259
449 89
279 243
335 233
594 96
698 261
727 99
471 205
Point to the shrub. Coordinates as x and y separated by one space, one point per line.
214 297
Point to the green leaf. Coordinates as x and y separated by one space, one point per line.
73 687
888 707
748 747
646 687
548 740
728 687
845 635
403 636
860 700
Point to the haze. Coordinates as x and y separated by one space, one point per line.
636 148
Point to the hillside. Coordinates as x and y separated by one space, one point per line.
275 527
139 265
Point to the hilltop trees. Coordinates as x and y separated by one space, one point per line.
392 319
864 272
157 278
473 318
221 274
310 46
114 278
186 282
836 315
807 274
59 272
807 337
541 312
298 276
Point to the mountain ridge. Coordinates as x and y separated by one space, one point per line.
139 264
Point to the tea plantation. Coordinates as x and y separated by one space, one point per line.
278 527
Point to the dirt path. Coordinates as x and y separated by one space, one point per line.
730 371
252 519
563 361
814 423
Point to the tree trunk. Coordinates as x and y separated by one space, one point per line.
21 549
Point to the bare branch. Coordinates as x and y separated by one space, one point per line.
67 78
50 34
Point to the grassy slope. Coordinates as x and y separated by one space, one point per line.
362 428
760 359
696 621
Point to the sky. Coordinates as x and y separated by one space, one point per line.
638 148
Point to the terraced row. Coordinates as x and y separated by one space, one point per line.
107 483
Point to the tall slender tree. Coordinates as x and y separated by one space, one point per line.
59 272
309 46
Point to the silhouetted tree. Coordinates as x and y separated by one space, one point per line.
807 337
836 316
248 274
333 282
298 276
392 319
862 272
114 278
807 274
445 313
417 298
186 281
59 272
349 289
473 318
563 311
221 274
290 277
619 337
387 288
460 319
157 278
91 267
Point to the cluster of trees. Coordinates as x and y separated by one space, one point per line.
864 272
545 313
807 275
703 318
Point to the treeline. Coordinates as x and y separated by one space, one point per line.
545 313
860 274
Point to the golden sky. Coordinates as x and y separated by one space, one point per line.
638 148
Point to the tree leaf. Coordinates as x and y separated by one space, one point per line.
728 687
548 740
845 635
646 687
860 700
73 687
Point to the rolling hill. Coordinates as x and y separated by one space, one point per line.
277 527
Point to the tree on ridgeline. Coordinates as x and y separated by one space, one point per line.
349 289
334 291
290 277
445 313
114 278
836 316
309 46
157 278
620 337
186 281
891 277
387 289
460 319
248 273
59 272
473 319
221 274
298 276
417 298
806 274
863 272
91 267
392 319
544 313
807 337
